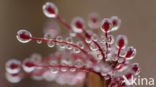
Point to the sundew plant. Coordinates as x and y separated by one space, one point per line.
94 50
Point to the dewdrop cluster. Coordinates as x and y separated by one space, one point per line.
86 49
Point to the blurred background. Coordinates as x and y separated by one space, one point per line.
138 23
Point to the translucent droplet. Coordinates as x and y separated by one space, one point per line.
93 22
63 69
99 57
120 60
35 57
69 39
51 43
128 75
50 10
131 52
28 65
54 70
69 47
106 25
13 66
59 38
62 45
135 67
72 70
115 23
23 36
77 24
66 62
48 36
13 78
93 47
122 53
39 41
121 41
78 63
88 40
76 50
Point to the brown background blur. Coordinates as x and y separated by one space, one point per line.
138 23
